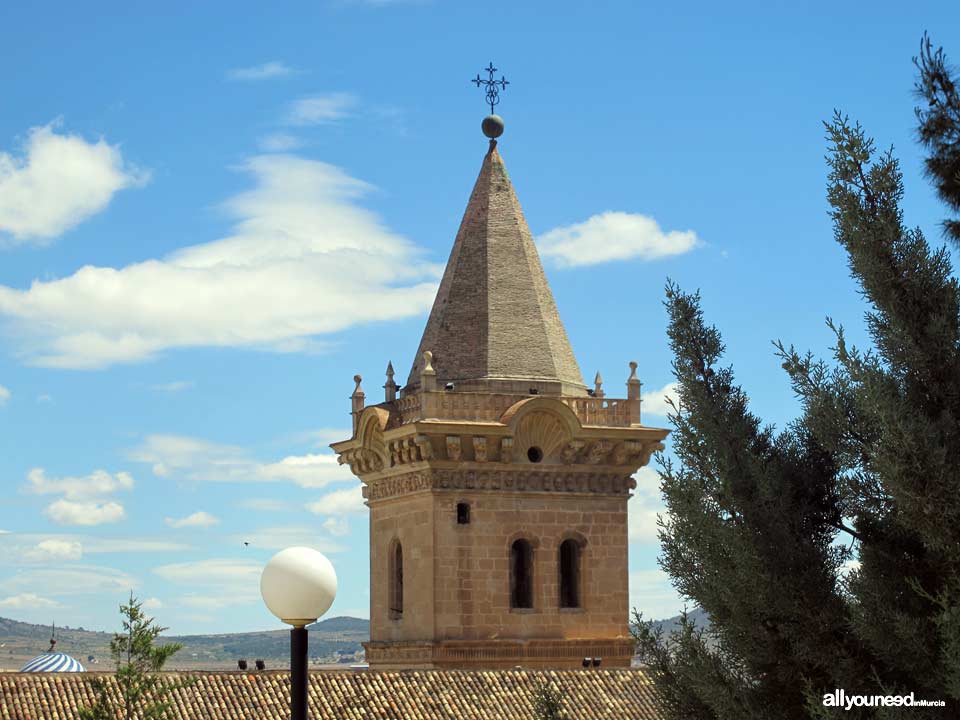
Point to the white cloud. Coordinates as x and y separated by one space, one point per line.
99 482
280 142
319 109
304 260
128 545
85 512
4 395
654 402
173 387
321 437
336 526
201 460
339 502
27 548
54 549
213 602
197 519
215 583
152 604
27 601
309 471
44 398
652 594
80 504
60 181
211 572
613 236
70 580
267 70
644 507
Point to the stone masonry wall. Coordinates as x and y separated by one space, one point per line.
409 518
462 571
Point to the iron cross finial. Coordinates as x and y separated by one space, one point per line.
493 86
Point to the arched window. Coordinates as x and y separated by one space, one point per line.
396 580
569 563
521 574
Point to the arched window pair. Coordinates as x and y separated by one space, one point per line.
521 573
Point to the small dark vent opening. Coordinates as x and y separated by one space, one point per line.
535 454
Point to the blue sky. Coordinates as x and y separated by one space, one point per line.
212 217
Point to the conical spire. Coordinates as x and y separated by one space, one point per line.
494 325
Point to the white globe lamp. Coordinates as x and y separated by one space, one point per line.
298 585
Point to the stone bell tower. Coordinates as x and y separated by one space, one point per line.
497 481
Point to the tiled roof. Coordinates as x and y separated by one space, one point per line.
346 694
494 316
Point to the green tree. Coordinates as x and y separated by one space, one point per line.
755 517
749 537
939 125
143 695
548 702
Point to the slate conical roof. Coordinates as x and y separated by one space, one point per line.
494 325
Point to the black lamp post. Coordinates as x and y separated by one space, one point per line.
298 585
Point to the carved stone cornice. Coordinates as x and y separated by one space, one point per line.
544 423
614 651
507 480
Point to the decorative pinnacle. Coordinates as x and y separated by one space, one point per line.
598 385
493 86
357 390
428 363
390 386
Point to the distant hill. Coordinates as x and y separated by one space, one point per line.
337 640
331 641
698 616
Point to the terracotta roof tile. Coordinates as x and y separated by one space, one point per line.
613 694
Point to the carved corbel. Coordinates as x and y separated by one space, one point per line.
396 454
480 449
571 450
649 450
426 449
506 450
598 451
453 447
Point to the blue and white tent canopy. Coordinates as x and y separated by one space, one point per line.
52 662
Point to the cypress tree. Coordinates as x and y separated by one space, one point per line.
939 128
756 518
749 537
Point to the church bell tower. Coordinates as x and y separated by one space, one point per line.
497 481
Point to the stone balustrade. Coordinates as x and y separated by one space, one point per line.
488 407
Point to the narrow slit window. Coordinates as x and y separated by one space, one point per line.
521 574
396 580
463 513
569 562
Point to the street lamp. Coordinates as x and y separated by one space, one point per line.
298 585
